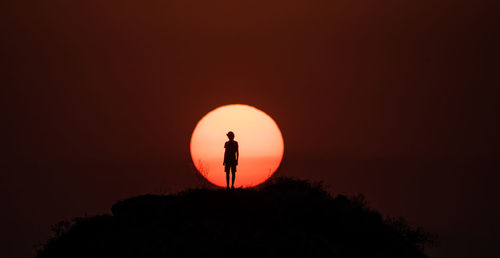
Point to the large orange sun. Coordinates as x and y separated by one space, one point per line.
258 136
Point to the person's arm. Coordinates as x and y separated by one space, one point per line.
237 153
224 162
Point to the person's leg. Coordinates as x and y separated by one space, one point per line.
234 176
227 179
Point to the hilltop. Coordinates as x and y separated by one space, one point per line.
283 218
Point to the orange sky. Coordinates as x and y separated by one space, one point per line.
397 100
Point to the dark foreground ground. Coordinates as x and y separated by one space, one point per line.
283 218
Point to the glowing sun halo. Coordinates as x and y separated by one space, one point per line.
259 138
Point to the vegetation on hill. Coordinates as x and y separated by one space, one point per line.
283 218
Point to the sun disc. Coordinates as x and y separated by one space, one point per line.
260 142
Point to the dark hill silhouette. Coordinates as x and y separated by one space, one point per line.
283 218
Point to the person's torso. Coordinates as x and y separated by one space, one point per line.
231 149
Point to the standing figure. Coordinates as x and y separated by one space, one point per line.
231 156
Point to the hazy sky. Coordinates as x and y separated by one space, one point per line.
397 100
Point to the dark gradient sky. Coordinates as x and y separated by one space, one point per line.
397 100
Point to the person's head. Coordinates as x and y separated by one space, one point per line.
230 135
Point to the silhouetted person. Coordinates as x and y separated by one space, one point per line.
231 156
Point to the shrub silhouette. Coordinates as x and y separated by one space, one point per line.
283 218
